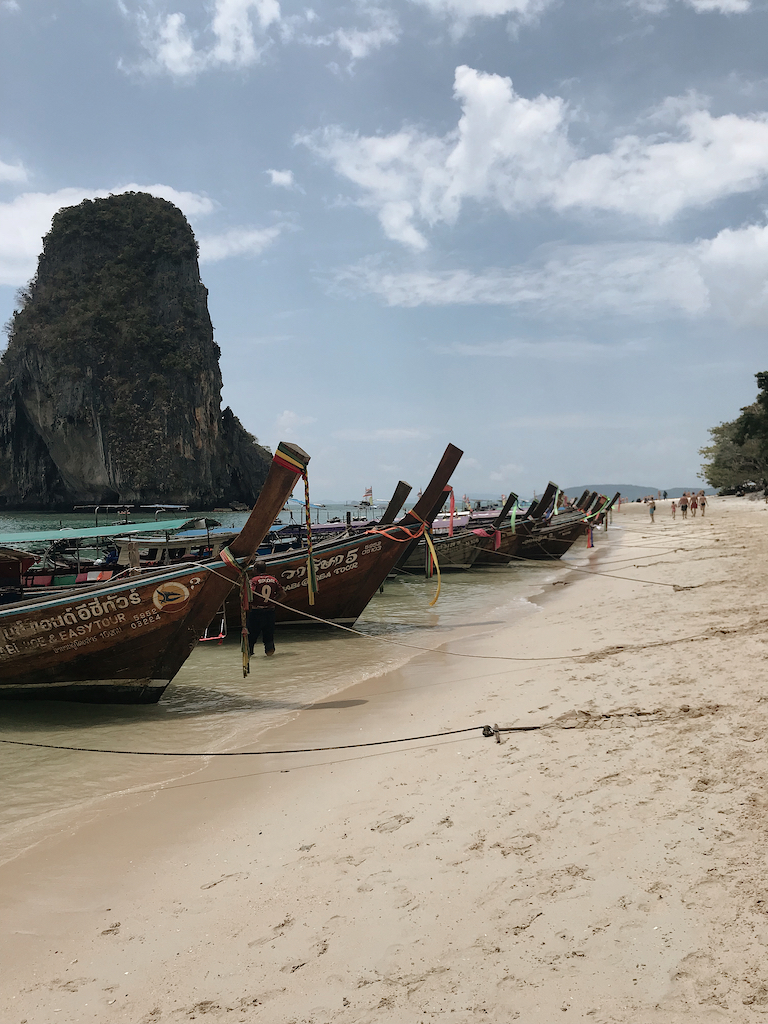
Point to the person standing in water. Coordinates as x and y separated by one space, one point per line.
265 590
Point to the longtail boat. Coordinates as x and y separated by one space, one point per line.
123 642
498 542
455 548
351 569
542 532
550 538
453 553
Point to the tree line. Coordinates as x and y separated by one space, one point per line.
737 458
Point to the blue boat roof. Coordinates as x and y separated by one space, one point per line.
84 533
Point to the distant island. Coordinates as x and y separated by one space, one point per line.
110 388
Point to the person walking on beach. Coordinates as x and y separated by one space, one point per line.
652 508
684 506
674 508
694 504
265 590
703 503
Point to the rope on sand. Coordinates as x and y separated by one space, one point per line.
584 720
487 731
589 655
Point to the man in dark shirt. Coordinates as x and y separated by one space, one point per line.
265 588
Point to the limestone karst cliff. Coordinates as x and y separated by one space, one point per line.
110 388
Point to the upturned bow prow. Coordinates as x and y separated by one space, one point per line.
288 465
427 507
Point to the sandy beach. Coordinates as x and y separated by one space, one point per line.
608 867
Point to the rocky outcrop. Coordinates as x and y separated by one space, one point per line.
110 388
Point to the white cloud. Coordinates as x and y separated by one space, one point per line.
382 28
514 153
191 204
734 265
507 472
567 350
462 11
237 242
642 279
170 45
721 6
238 32
234 30
282 178
12 173
656 178
288 423
360 42
381 434
700 6
725 276
236 36
10 5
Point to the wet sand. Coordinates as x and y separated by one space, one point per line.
609 867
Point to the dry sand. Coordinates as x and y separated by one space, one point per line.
608 868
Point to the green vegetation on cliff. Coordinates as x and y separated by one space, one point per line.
111 376
99 288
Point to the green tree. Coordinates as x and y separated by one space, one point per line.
738 454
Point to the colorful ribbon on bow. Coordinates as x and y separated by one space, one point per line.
312 585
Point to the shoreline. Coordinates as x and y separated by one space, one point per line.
562 871
146 779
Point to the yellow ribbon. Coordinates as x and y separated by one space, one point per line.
433 553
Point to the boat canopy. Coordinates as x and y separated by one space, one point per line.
84 533
296 503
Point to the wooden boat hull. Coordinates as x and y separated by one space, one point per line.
530 541
104 645
453 553
499 551
551 542
124 642
349 570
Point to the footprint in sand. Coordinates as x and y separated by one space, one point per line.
210 885
73 985
277 931
380 877
292 967
403 898
391 824
206 1006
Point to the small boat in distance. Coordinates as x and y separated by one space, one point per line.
122 642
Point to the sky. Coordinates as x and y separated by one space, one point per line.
536 229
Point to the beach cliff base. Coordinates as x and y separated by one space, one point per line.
607 868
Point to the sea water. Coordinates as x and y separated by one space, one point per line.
210 707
